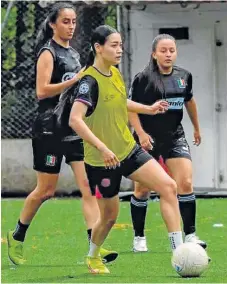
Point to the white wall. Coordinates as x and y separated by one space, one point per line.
17 168
198 56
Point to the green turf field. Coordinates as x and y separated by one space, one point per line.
57 243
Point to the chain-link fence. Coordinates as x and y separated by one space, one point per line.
20 23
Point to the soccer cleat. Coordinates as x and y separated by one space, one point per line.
140 244
192 238
108 255
15 249
96 266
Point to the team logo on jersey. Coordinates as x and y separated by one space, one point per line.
67 76
51 160
175 103
107 98
84 88
181 83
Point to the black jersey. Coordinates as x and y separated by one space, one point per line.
177 90
66 65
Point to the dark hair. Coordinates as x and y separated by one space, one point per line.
152 69
46 32
100 36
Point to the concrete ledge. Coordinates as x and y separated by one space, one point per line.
19 178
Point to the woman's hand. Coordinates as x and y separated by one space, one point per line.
78 75
197 138
110 159
145 141
159 107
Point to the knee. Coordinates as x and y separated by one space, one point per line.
185 186
45 193
87 197
141 192
85 190
171 190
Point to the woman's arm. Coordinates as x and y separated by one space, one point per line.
144 138
45 67
135 122
157 108
77 123
193 114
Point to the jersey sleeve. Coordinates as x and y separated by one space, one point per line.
50 49
189 92
87 93
136 88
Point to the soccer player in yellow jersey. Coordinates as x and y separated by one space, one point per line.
100 117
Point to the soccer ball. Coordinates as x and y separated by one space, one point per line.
190 260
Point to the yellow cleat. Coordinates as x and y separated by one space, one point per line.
96 266
15 249
108 255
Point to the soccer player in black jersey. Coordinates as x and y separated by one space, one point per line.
163 134
57 68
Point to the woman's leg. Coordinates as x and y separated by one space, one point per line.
45 189
138 206
152 176
90 206
109 208
105 183
74 154
181 171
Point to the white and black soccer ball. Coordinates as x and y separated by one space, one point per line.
190 260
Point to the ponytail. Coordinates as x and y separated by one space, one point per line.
45 34
91 58
154 77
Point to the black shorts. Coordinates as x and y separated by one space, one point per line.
171 147
106 182
48 152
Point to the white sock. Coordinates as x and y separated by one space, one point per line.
176 239
94 250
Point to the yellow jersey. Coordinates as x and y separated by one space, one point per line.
109 120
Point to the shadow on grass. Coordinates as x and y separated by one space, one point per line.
82 277
11 266
91 278
128 252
